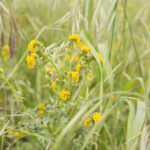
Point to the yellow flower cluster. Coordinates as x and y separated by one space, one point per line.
90 75
48 69
100 57
87 121
63 94
31 45
76 59
1 69
75 76
70 4
112 97
54 84
5 51
30 58
40 109
121 8
85 48
15 133
95 117
78 67
75 37
30 61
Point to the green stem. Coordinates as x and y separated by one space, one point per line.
43 75
113 29
14 91
52 63
132 38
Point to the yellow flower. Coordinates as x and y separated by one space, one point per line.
75 37
16 133
76 59
85 48
35 55
70 4
41 106
1 69
19 135
63 94
75 76
30 61
10 132
87 121
78 67
96 116
112 96
48 69
31 45
68 56
69 73
100 57
90 75
40 112
121 9
54 84
81 44
5 47
4 54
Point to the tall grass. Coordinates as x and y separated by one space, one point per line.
119 88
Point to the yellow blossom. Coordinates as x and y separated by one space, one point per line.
96 116
1 69
63 94
41 106
112 96
30 61
76 59
100 57
19 135
31 45
70 4
68 56
40 112
10 132
54 84
48 69
35 55
87 121
78 67
75 45
75 37
121 9
85 48
16 133
81 44
4 54
90 75
69 73
5 47
75 76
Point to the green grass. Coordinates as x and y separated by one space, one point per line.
119 89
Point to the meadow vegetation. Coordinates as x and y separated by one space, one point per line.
74 74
